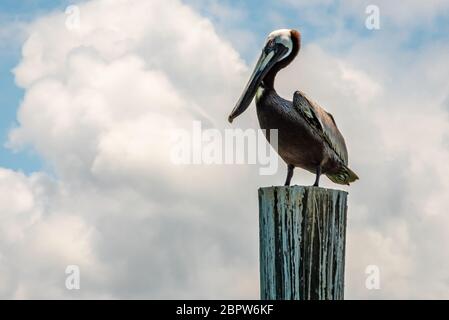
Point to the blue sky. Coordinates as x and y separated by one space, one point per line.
12 12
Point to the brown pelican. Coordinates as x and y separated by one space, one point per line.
308 136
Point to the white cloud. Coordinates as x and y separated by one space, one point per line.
99 107
394 126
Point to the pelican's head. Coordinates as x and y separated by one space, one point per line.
280 48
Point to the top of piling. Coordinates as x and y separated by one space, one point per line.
300 188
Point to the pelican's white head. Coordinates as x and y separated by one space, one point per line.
280 49
283 37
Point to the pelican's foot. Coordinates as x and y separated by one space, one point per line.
289 174
317 179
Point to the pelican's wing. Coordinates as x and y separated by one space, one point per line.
323 122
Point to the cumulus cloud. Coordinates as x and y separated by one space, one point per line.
392 109
395 128
100 104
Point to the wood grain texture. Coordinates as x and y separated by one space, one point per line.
302 233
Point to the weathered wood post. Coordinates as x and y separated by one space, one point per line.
302 243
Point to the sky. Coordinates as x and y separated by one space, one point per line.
86 113
13 15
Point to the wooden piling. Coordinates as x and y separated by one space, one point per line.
302 232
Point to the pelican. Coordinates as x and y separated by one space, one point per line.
308 136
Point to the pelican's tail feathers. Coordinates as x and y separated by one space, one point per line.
343 176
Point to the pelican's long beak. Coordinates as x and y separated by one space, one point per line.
271 54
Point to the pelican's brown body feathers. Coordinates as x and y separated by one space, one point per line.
308 137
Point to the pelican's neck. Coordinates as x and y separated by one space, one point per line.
267 85
259 93
268 81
